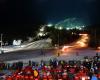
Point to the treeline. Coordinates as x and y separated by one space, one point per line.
62 36
94 31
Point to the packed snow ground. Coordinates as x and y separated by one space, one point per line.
38 55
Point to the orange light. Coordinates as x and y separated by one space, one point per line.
98 47
82 44
83 34
65 48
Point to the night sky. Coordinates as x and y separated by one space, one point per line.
16 15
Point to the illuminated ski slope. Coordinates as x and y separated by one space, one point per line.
45 43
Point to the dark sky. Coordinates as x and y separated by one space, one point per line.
16 15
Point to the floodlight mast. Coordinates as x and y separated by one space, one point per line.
59 29
1 40
1 44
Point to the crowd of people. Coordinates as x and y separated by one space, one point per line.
11 66
88 69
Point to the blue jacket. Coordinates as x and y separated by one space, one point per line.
94 78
